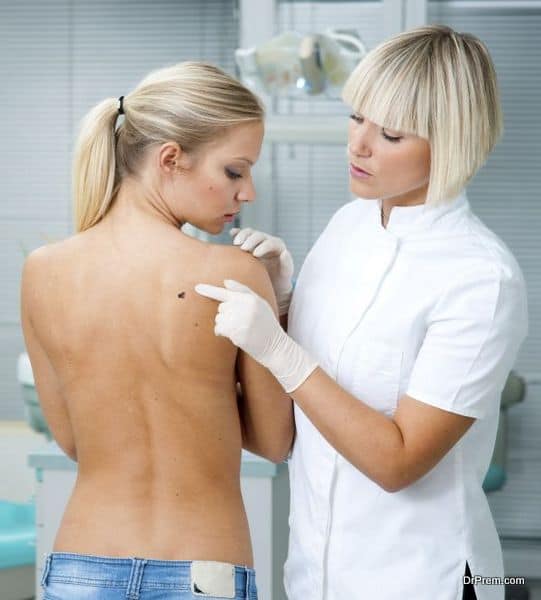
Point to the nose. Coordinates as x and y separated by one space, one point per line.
360 140
247 192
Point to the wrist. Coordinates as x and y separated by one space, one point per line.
289 362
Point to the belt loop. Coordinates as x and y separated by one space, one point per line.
247 593
136 576
46 568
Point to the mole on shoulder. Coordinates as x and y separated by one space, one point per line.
181 294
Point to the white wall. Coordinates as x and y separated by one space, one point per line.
59 58
17 479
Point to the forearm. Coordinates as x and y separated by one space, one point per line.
369 440
268 428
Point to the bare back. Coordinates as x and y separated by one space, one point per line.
150 393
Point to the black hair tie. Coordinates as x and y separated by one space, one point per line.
121 107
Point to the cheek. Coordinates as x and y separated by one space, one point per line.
215 190
420 159
409 163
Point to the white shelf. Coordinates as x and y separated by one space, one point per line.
307 129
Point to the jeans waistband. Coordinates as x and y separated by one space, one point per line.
133 573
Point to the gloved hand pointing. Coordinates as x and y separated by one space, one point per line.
250 323
273 253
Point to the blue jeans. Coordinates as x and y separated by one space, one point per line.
83 577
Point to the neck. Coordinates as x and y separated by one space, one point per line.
133 206
413 198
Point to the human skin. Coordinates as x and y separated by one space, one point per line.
132 380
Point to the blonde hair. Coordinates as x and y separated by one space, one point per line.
437 84
190 103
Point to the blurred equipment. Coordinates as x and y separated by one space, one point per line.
17 550
17 520
294 65
34 415
513 393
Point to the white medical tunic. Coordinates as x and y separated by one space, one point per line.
433 306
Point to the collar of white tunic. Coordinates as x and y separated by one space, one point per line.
412 219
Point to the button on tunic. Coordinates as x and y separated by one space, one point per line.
433 306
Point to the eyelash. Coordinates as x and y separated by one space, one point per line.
232 175
358 119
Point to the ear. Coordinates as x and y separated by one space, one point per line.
173 158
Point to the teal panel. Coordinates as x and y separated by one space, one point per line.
494 479
17 535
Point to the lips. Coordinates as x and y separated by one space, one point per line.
359 169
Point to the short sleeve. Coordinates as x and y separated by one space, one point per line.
472 340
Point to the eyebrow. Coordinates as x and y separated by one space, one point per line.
242 158
382 126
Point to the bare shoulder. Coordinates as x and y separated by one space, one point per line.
34 268
36 263
41 272
49 254
41 260
230 262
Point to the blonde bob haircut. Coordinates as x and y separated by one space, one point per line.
191 103
439 85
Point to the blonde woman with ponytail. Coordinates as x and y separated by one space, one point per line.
133 382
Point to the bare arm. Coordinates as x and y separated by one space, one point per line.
265 409
50 396
393 452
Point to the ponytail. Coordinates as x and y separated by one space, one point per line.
94 165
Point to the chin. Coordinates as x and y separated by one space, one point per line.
213 229
362 192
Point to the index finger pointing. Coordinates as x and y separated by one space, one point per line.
212 291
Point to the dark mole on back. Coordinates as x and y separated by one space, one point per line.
181 295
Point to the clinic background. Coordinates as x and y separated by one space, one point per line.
60 57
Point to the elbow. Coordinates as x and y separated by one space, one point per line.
70 452
272 453
67 445
396 471
273 458
391 486
395 480
283 454
278 458
265 453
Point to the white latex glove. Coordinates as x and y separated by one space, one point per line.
277 259
250 323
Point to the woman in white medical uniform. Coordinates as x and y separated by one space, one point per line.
407 316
